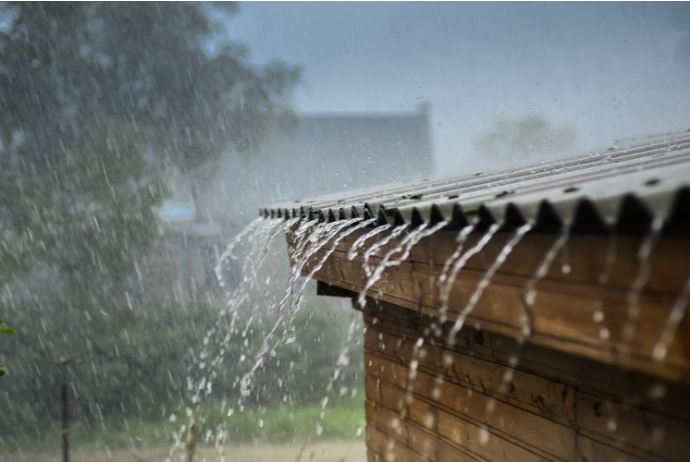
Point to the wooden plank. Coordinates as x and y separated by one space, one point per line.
633 427
585 255
536 394
479 440
573 330
430 445
593 377
589 450
644 427
390 449
466 434
569 329
502 418
433 446
373 388
448 452
403 430
329 290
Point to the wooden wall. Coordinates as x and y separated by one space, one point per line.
488 398
566 303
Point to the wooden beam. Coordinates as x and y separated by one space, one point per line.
566 310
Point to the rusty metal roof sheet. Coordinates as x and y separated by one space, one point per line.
625 187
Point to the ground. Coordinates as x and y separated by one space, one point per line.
328 451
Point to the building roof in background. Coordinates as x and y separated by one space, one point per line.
317 154
618 187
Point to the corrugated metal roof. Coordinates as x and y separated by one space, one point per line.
624 187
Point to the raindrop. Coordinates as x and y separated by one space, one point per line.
484 436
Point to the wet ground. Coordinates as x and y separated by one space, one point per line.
330 451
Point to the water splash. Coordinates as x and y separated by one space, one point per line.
290 304
335 244
403 248
444 295
342 361
643 258
339 237
485 281
603 282
530 294
228 252
306 245
445 283
394 234
352 253
676 316
251 247
460 240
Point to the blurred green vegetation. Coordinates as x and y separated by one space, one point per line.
344 420
141 368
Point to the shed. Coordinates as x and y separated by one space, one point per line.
535 313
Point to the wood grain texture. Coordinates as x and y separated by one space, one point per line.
466 403
577 390
566 306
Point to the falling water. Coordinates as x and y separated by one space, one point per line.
352 253
231 246
603 281
676 316
640 281
530 295
444 294
395 233
529 298
332 230
342 361
403 248
340 236
288 306
257 238
485 281
307 239
460 240
335 243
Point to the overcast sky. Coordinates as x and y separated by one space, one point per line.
609 70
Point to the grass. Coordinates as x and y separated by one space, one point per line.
343 420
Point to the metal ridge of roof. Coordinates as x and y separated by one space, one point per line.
623 188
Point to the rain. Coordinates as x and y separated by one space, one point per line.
319 231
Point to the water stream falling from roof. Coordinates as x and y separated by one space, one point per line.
288 306
352 253
444 294
255 239
603 280
643 260
314 243
678 312
486 280
394 234
530 294
390 259
447 277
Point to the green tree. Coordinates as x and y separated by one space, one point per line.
526 136
97 102
4 330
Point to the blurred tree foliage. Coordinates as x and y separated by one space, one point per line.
140 368
97 102
4 330
525 137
